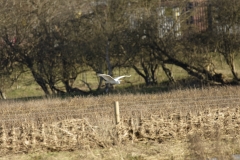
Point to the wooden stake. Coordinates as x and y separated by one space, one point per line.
117 114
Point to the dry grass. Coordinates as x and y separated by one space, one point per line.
182 124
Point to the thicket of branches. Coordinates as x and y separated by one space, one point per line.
56 40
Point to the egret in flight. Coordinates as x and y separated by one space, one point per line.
112 80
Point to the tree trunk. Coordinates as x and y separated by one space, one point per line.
199 73
2 95
153 71
67 86
108 86
233 70
41 82
100 83
168 73
148 77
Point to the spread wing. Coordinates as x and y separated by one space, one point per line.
107 78
117 78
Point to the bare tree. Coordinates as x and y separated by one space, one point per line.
106 29
169 34
225 16
10 69
43 41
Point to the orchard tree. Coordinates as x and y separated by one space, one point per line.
43 42
10 69
106 36
169 34
225 23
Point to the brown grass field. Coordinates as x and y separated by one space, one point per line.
182 124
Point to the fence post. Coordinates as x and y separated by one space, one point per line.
116 111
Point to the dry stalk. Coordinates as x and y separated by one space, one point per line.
3 137
55 138
33 135
44 138
14 138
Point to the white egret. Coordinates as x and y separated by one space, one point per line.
112 80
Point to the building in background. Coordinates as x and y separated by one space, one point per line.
173 15
198 17
184 17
